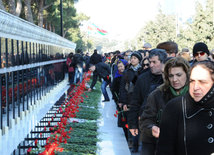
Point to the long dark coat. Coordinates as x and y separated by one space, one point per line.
187 127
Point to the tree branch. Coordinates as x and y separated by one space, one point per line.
45 7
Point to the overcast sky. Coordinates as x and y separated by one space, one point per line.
124 18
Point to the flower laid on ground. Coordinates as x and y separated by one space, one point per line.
67 135
29 150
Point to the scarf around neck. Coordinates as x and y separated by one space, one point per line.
136 67
183 91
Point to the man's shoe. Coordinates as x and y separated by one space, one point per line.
105 100
134 150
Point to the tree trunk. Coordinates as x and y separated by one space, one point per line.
53 29
11 7
40 13
15 9
49 27
28 11
18 7
2 5
41 9
64 33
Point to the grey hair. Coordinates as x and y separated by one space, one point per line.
161 53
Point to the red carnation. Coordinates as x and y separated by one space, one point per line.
36 141
127 126
123 119
29 149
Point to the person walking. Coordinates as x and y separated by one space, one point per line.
176 75
115 89
70 68
145 84
200 52
127 85
95 58
187 121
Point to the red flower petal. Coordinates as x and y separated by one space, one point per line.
36 141
29 149
127 126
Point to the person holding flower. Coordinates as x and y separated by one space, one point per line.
175 84
186 126
115 88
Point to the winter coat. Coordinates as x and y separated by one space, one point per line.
103 71
146 83
115 88
95 58
78 60
127 84
187 127
68 63
151 115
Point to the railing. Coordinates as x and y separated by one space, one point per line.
31 63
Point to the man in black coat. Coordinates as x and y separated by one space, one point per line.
146 83
78 62
103 71
95 58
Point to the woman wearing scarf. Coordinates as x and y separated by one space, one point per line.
187 121
121 66
127 85
175 84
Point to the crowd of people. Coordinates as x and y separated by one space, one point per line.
165 96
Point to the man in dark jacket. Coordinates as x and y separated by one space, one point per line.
87 61
77 63
103 71
95 58
146 83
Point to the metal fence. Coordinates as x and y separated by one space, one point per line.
32 61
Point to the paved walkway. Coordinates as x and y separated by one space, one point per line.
113 138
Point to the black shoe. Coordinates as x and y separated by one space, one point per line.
134 150
105 100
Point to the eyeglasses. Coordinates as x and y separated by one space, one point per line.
197 54
146 65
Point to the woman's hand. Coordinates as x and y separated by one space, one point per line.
125 108
155 131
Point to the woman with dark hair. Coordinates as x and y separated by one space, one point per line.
127 85
145 63
187 121
175 84
115 88
121 66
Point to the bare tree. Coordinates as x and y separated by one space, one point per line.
2 5
28 11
